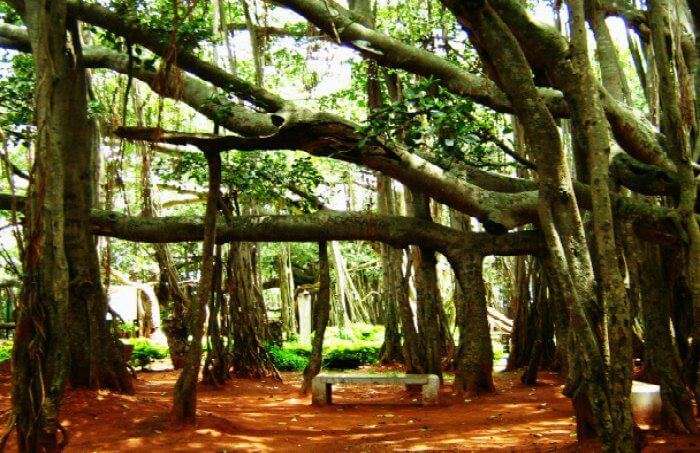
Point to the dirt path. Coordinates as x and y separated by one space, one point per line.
269 416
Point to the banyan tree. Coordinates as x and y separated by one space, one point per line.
602 210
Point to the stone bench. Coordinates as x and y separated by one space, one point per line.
646 400
322 385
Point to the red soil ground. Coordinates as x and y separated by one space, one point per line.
271 416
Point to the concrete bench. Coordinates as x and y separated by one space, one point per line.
322 385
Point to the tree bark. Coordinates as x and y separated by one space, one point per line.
216 363
520 300
96 358
322 310
427 293
40 360
391 267
248 319
474 373
661 353
185 402
288 303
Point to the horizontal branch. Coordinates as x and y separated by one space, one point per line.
321 226
281 32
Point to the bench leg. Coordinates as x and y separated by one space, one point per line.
318 393
431 390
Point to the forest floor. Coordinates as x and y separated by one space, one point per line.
271 416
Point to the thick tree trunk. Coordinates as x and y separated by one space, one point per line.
540 330
96 359
591 127
177 304
674 99
248 323
322 310
474 373
185 402
412 348
40 360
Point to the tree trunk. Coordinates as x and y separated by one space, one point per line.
288 302
176 302
675 100
40 360
391 268
474 373
322 310
248 324
412 348
185 402
540 330
661 353
96 358
427 293
216 363
519 301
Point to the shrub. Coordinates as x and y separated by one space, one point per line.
5 351
127 329
498 351
287 359
350 357
368 332
145 352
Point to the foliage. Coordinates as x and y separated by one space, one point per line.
350 357
127 328
355 346
193 21
266 177
5 350
146 352
498 351
432 118
17 94
286 359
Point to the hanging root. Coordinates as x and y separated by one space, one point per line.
6 435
